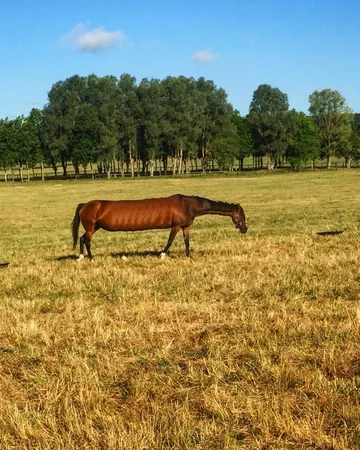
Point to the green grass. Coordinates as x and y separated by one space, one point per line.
253 344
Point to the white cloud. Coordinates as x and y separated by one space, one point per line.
93 41
204 56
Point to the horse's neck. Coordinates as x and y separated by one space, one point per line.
212 207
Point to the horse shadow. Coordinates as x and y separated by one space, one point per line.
66 258
142 254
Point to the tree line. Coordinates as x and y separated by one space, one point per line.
116 125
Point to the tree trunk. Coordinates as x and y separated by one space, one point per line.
131 158
77 170
151 167
5 175
174 160
241 163
271 163
64 166
21 173
138 167
181 169
132 170
328 162
165 162
203 151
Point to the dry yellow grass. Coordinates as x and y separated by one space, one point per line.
255 344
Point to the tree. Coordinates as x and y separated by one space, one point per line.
180 128
83 141
268 119
103 94
332 117
213 113
128 118
33 129
7 150
65 98
351 149
151 112
244 141
305 141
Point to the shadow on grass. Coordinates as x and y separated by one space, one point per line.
141 254
65 258
131 254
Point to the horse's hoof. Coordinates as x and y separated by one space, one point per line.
124 258
80 257
162 256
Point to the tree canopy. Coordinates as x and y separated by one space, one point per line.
333 119
119 125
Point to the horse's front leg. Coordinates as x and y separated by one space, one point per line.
174 231
186 234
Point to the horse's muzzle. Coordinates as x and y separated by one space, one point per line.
242 228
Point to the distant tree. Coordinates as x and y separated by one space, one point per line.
83 140
151 111
7 150
351 150
19 143
244 140
305 143
33 130
59 118
354 153
213 112
268 120
333 118
128 117
180 127
224 150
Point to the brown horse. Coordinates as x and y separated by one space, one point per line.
175 212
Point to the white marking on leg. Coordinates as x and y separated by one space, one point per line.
124 258
80 257
162 256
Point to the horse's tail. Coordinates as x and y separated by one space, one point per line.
75 225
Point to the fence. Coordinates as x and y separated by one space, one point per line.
49 174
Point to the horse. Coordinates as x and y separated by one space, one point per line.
175 212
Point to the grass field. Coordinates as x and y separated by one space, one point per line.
252 344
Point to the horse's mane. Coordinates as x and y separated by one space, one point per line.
214 204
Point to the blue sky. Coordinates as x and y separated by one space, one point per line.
296 46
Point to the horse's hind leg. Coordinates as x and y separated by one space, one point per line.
82 242
85 240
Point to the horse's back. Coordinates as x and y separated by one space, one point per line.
133 215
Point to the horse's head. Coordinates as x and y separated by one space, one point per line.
239 219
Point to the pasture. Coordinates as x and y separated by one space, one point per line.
252 344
